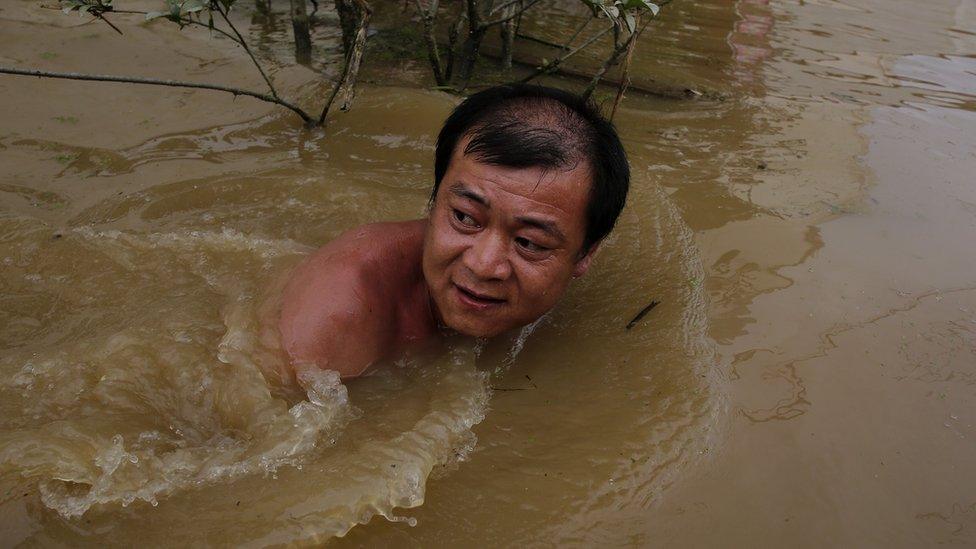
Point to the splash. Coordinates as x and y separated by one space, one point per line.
159 377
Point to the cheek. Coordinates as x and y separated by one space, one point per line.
442 246
542 287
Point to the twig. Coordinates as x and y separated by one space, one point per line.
611 61
625 72
452 36
187 22
502 19
156 82
243 43
506 5
214 28
553 44
643 312
544 42
431 41
236 37
552 65
347 80
109 23
617 50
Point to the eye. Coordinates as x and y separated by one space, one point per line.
530 246
464 218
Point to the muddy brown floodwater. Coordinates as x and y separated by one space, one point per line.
806 222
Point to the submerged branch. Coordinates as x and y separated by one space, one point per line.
157 82
109 23
643 312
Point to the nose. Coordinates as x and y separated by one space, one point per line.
487 258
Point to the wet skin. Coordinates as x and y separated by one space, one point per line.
497 251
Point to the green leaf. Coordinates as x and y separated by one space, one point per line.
631 22
68 6
192 6
653 7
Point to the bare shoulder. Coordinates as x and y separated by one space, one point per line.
337 306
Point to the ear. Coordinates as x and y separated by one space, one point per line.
583 263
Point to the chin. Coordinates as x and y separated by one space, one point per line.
474 330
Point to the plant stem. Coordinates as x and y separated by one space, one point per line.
156 82
513 15
433 55
508 41
239 40
347 81
452 37
109 23
243 43
625 72
552 65
537 40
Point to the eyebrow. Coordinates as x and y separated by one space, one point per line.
543 225
464 192
547 226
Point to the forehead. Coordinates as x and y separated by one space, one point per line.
559 192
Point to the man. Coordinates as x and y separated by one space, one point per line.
528 181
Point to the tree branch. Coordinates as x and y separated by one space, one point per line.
577 33
109 23
505 18
625 73
243 43
553 44
542 41
552 65
214 28
504 7
156 82
452 35
431 41
618 49
347 81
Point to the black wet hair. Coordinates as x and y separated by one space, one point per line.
522 126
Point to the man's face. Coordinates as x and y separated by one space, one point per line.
503 243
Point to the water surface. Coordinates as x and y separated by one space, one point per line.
805 224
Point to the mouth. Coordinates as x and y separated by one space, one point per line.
476 300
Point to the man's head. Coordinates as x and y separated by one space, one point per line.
527 182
